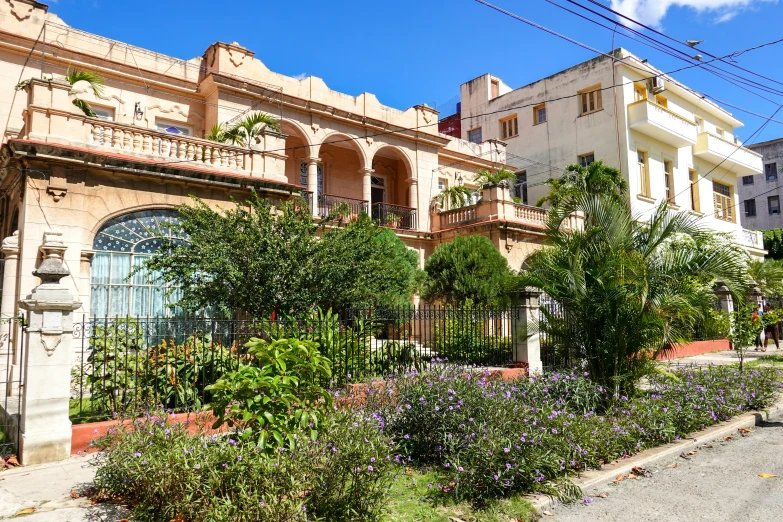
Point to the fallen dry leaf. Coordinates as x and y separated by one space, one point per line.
74 494
25 511
683 456
745 430
640 472
548 513
602 495
673 466
728 437
632 475
691 453
767 475
619 478
409 471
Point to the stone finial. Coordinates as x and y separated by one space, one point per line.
51 269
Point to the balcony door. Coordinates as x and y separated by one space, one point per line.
377 195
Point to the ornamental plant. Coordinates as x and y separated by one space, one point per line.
182 471
276 395
490 439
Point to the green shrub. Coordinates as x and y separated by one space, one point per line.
465 336
276 394
162 471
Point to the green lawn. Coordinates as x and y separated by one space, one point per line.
775 360
413 501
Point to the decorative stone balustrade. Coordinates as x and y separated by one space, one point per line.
52 118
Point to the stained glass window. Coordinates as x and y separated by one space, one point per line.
121 245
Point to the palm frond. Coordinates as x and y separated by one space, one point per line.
84 107
96 81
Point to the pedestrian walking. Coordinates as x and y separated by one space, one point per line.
771 329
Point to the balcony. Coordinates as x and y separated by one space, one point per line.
751 238
394 216
340 207
496 205
661 123
727 154
51 119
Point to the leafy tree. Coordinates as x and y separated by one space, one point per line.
630 287
363 264
773 243
469 268
96 82
485 177
244 131
261 259
596 178
252 257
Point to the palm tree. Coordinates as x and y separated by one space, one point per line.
454 197
97 84
630 288
596 178
485 177
244 131
768 275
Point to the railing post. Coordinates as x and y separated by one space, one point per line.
45 425
527 341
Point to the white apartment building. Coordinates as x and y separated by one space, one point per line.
760 194
670 142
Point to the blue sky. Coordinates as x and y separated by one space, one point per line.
419 51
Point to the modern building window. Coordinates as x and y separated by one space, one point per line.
441 185
173 128
723 199
773 204
520 187
694 190
494 89
668 180
771 171
121 245
750 208
662 101
103 136
509 127
539 114
747 180
590 100
474 136
103 113
720 132
644 174
585 159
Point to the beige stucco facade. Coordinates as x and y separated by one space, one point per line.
673 127
147 150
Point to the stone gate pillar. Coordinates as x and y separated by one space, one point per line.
48 357
8 326
527 341
723 294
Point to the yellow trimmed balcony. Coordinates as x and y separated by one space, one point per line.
662 124
727 154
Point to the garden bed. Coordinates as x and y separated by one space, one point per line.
445 443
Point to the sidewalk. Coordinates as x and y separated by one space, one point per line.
725 357
47 488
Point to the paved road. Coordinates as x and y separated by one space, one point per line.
717 484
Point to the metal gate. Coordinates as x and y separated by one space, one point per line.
11 357
554 355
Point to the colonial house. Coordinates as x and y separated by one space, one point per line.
108 181
670 142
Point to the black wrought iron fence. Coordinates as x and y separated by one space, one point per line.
554 354
11 356
128 365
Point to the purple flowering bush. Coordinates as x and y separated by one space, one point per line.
491 438
163 469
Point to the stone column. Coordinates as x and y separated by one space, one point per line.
312 183
725 302
45 426
414 200
755 297
367 187
10 249
527 341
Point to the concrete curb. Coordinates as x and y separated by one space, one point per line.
610 471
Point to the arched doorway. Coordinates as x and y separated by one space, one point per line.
393 201
118 287
343 162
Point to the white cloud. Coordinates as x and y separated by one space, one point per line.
300 76
651 12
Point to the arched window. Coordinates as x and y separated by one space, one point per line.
122 244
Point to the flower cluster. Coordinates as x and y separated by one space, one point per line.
492 438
